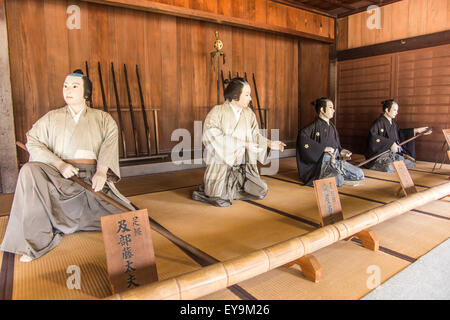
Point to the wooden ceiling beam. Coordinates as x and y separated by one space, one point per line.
306 7
340 4
182 12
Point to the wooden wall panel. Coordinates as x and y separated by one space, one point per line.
314 83
423 93
173 56
362 85
262 15
399 20
418 79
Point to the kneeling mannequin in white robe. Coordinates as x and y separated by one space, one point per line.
73 140
233 146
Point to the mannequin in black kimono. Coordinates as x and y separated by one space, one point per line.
319 152
384 135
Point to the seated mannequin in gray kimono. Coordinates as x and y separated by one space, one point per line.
73 140
319 150
385 134
233 146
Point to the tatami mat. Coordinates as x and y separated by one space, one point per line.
229 232
395 234
301 200
376 190
346 271
224 233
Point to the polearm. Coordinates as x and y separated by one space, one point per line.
218 45
105 106
87 75
263 126
198 255
144 113
251 102
384 152
119 114
223 81
133 123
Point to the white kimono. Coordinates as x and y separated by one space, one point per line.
46 205
224 138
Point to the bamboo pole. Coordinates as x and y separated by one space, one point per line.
224 274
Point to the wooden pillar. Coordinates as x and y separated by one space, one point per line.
8 156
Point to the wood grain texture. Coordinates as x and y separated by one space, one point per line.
399 20
314 83
238 13
417 79
173 58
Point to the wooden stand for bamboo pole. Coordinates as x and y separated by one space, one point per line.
310 267
368 239
330 211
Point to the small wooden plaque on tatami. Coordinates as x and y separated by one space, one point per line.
405 178
327 198
447 136
130 256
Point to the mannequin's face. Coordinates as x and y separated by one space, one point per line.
328 113
393 111
245 97
73 90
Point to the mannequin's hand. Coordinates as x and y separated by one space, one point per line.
345 153
394 147
277 145
99 178
329 150
66 169
422 129
253 147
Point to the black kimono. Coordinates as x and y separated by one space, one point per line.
382 135
313 163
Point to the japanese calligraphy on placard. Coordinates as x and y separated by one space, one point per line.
129 250
327 198
405 178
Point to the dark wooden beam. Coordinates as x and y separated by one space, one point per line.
364 8
340 4
302 6
419 42
156 7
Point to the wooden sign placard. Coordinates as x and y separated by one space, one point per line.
130 256
447 136
405 178
327 198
